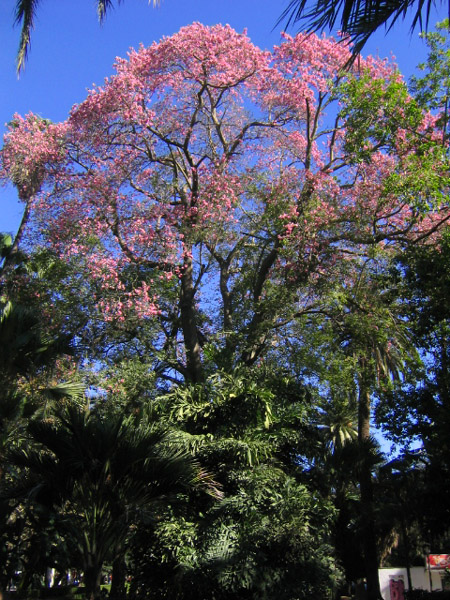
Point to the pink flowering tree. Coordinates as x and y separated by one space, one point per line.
209 186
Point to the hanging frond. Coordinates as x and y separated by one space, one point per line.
357 18
25 15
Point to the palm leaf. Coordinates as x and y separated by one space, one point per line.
358 18
25 14
72 390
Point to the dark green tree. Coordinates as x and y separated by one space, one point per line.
97 474
415 415
271 535
432 89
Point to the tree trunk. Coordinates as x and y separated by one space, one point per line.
92 580
230 345
256 334
189 326
406 548
364 407
119 567
371 562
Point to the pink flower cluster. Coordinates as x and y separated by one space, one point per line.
203 144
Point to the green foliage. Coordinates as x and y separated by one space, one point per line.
270 534
382 116
267 539
97 474
418 409
417 413
338 419
373 110
432 90
360 20
277 417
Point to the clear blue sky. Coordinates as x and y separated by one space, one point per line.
70 51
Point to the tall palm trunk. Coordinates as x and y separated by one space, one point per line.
371 561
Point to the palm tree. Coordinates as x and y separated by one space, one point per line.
338 421
98 474
353 525
25 14
25 346
27 351
377 339
359 18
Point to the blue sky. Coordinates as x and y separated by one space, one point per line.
70 52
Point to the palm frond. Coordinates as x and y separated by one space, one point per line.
104 5
361 455
357 18
72 390
102 8
25 14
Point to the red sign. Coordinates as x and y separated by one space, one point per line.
438 561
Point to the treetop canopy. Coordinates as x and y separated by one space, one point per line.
204 153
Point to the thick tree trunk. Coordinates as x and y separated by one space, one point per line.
371 562
227 312
92 579
189 326
364 408
118 591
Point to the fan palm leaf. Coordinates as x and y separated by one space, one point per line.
24 345
99 474
338 422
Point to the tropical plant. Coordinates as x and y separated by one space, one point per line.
213 220
416 415
338 419
271 534
98 475
372 332
432 89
